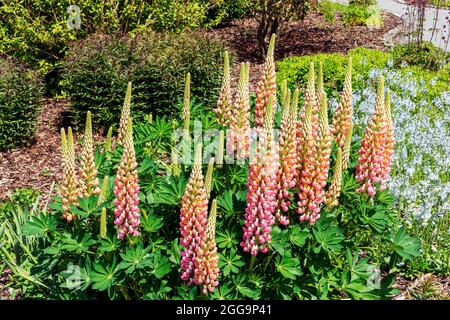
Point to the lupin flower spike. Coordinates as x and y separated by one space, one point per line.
187 103
320 89
88 171
342 118
104 191
193 218
332 195
108 142
262 191
125 115
126 190
69 184
224 104
207 260
311 99
347 148
288 155
284 89
316 164
174 166
304 138
209 175
238 135
371 167
267 86
103 226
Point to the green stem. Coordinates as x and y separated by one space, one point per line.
252 262
267 262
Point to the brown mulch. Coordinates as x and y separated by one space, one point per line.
311 36
6 293
38 165
441 286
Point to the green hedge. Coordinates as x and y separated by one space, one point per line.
426 55
21 92
295 69
97 69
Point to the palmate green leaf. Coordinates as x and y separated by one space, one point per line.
230 263
238 176
378 221
171 191
87 206
298 236
328 237
159 292
359 268
77 278
150 222
175 249
39 225
358 290
224 292
245 288
135 258
103 277
80 244
226 238
186 292
110 243
146 165
225 202
288 266
280 240
406 246
161 265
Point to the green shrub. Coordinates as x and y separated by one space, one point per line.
20 97
97 69
355 15
365 3
295 69
37 31
426 55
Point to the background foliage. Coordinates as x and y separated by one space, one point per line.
97 69
21 92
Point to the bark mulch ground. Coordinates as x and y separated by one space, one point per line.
39 165
313 35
